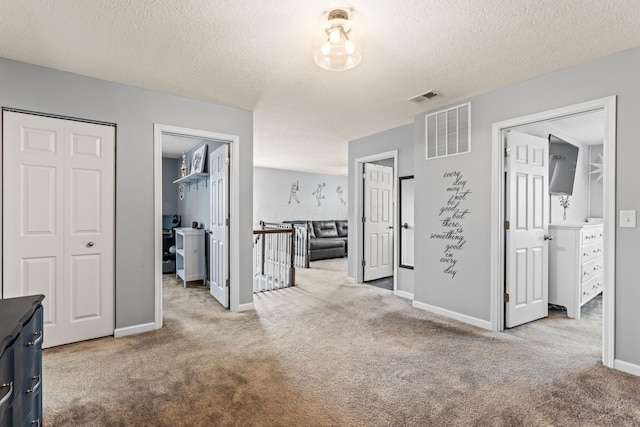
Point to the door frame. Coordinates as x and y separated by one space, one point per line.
608 105
358 229
234 205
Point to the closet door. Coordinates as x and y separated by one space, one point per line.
58 222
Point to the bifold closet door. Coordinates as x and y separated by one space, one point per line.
58 222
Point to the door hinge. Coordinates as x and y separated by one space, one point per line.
364 175
226 222
364 263
506 225
506 297
507 151
226 283
364 219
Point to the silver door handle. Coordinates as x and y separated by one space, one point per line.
547 237
90 244
390 227
405 226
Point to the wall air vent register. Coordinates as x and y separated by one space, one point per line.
448 132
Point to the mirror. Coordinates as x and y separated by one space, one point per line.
406 224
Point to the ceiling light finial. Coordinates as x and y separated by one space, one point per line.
337 52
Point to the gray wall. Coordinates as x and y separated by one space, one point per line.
401 139
170 172
469 292
196 205
273 202
134 111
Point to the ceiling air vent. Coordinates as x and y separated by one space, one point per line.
419 99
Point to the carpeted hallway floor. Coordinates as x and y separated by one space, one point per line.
332 353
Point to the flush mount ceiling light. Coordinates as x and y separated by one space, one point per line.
338 52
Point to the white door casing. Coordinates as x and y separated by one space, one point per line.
219 229
58 222
528 216
378 221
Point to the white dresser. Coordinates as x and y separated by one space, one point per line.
189 254
575 265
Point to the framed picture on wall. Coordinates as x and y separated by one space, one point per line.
197 161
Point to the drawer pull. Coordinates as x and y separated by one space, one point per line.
8 395
38 335
35 378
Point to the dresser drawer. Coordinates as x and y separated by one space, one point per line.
589 252
21 321
591 288
591 269
7 387
591 235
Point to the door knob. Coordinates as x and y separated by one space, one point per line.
90 244
390 227
405 226
547 237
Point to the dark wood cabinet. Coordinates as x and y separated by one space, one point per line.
21 328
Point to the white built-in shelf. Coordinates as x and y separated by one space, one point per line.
193 178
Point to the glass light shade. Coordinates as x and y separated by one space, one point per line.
337 52
335 34
326 48
349 47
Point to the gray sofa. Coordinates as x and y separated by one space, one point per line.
327 238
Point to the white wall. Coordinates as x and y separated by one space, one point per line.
596 200
281 195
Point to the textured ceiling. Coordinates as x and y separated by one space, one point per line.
258 55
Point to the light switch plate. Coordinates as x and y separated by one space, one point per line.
628 219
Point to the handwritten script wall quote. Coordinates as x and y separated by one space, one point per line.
452 218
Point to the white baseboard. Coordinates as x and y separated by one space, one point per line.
132 330
246 307
405 295
453 315
627 367
351 279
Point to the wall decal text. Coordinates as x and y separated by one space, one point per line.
452 218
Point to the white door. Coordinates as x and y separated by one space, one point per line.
219 231
528 216
58 222
378 221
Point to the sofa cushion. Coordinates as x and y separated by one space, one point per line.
326 244
325 229
343 227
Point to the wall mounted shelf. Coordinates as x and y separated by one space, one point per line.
193 178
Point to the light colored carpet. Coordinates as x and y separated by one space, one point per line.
332 353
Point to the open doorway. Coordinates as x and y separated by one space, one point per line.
376 206
500 212
197 139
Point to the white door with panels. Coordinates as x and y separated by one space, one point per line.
378 221
527 292
219 230
58 222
